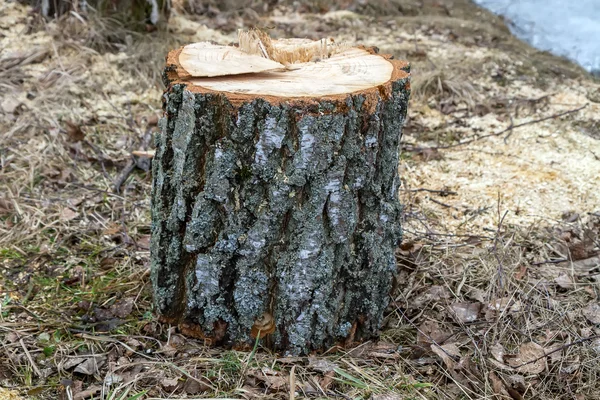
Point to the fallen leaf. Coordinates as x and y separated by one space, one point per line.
272 379
90 366
74 132
521 272
517 382
321 365
111 379
89 392
123 307
76 386
143 242
497 385
564 281
554 353
10 104
581 267
430 332
169 350
327 380
134 343
67 214
580 251
530 359
497 351
466 312
592 313
477 294
12 337
192 386
169 384
112 229
447 353
71 362
435 293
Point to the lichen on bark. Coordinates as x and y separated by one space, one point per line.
289 209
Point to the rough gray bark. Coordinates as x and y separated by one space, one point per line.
137 13
271 209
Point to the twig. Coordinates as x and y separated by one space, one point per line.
442 204
134 162
442 192
550 261
495 248
122 177
512 125
510 128
33 365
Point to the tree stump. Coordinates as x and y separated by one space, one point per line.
275 211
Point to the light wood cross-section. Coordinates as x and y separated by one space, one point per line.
259 65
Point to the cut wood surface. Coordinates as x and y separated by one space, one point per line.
275 201
226 68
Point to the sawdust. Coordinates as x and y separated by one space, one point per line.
6 394
538 173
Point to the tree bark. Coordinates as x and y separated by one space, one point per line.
137 13
276 217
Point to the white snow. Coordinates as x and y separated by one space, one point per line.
565 28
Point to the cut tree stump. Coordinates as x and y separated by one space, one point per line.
275 211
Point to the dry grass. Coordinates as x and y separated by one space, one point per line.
478 292
436 83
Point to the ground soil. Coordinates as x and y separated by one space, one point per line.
496 292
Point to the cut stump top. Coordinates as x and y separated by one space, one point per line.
283 69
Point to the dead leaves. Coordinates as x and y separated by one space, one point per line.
592 313
86 365
466 312
120 309
449 353
74 132
529 360
270 378
68 215
430 332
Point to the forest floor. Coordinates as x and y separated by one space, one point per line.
497 290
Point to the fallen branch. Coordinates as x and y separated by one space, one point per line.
442 192
509 129
135 161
